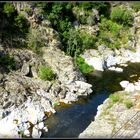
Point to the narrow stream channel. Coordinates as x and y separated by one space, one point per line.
71 120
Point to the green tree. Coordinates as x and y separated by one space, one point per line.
74 43
21 23
122 16
9 9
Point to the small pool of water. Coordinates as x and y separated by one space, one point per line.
71 120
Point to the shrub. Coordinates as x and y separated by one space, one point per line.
88 41
9 9
84 16
74 44
86 5
102 7
46 73
115 98
7 62
34 42
21 23
112 34
122 16
79 41
128 104
83 66
55 104
136 6
16 25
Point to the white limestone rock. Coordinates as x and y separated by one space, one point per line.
41 125
124 84
117 69
130 87
36 133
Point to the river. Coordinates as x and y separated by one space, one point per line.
71 120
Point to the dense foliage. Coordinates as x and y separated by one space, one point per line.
62 17
114 23
12 23
122 16
79 41
112 34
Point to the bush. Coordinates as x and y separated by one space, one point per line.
46 73
7 62
34 42
115 98
102 7
136 6
79 41
84 16
83 66
112 34
9 9
21 23
128 104
16 26
74 43
88 41
55 104
122 16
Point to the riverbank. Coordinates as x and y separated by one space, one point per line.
115 114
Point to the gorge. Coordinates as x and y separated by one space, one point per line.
69 69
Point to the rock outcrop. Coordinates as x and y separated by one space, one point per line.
38 25
116 119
